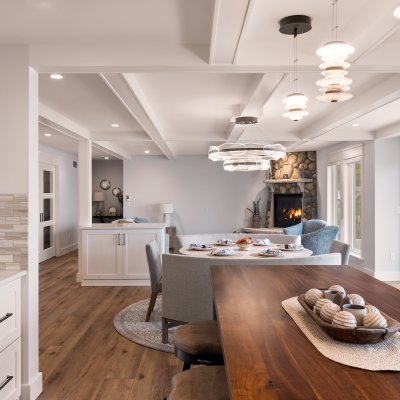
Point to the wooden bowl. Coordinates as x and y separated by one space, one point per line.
358 335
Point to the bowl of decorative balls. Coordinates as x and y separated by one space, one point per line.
244 243
347 317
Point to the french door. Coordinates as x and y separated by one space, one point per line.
47 198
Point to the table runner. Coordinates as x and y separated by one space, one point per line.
383 356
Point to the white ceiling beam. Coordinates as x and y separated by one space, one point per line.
388 132
120 136
378 96
57 121
112 149
229 22
129 92
263 87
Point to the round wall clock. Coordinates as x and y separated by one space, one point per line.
105 184
116 191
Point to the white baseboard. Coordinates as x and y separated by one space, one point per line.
388 276
115 282
362 269
67 249
32 390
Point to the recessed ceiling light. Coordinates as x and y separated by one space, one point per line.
56 76
106 158
47 134
147 151
396 12
115 125
356 125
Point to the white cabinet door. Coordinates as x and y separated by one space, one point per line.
102 254
135 260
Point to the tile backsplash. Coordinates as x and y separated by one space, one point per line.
13 231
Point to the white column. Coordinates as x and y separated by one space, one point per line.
19 175
85 193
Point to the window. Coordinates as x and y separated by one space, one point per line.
345 177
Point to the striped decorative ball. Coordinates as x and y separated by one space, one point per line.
338 288
344 319
371 309
319 304
328 311
356 299
312 296
374 320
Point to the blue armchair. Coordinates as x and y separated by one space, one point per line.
316 235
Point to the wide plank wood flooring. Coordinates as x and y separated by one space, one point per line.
82 357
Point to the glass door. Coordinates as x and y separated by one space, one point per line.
46 212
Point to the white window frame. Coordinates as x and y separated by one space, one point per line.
345 159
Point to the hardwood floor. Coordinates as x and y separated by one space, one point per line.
82 357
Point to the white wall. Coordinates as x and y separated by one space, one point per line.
67 181
113 171
206 198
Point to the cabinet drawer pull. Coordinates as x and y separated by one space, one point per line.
8 315
4 383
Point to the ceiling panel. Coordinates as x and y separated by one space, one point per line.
194 104
86 99
58 21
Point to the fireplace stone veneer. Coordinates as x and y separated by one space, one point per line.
295 173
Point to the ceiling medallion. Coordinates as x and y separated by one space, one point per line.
295 103
334 85
246 156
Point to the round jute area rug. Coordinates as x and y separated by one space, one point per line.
130 323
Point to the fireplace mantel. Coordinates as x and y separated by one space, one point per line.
300 183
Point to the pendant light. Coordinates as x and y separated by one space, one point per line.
295 103
334 85
246 156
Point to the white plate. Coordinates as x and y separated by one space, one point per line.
298 249
200 248
222 254
259 244
225 245
270 255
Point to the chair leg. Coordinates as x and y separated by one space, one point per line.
164 330
151 305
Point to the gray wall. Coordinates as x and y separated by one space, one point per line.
113 171
206 198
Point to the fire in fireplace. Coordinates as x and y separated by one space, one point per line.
287 209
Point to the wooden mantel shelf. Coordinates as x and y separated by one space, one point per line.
300 180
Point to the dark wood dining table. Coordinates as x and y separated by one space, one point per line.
268 357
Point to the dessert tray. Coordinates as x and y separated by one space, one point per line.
359 334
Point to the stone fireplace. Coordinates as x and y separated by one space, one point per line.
295 177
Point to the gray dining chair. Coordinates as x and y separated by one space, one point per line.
343 249
155 269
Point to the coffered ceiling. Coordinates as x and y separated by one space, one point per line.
172 73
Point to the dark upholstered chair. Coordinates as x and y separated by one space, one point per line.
155 269
316 235
198 342
343 249
200 383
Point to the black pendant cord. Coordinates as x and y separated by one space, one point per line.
295 60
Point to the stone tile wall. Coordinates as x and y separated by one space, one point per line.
13 231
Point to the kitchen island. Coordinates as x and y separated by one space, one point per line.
115 255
